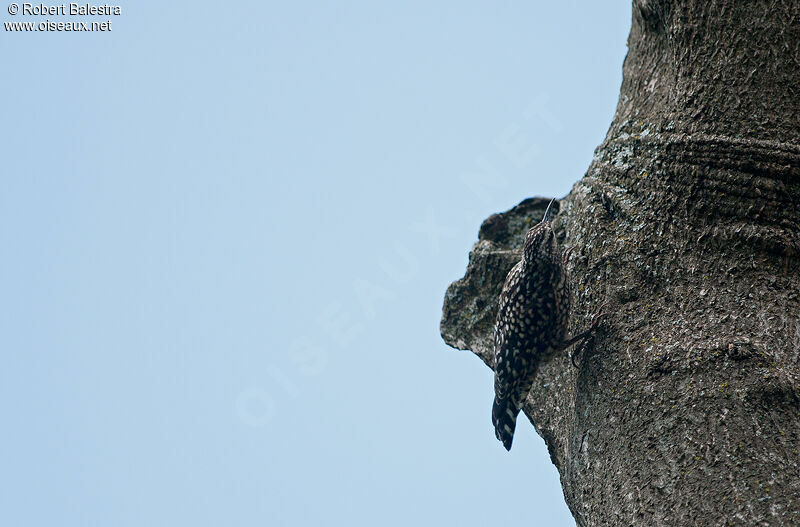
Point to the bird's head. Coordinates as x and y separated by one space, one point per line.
540 240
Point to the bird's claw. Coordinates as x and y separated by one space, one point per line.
597 319
567 255
599 316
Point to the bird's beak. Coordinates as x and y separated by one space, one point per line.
546 216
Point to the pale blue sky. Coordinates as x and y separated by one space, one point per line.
227 230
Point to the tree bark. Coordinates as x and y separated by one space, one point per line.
685 409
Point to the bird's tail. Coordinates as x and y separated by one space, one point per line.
504 417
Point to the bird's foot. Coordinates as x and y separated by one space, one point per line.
567 255
598 317
588 334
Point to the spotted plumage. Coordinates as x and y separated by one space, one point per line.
531 325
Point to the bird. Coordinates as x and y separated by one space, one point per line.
532 322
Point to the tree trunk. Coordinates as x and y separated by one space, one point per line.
685 409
